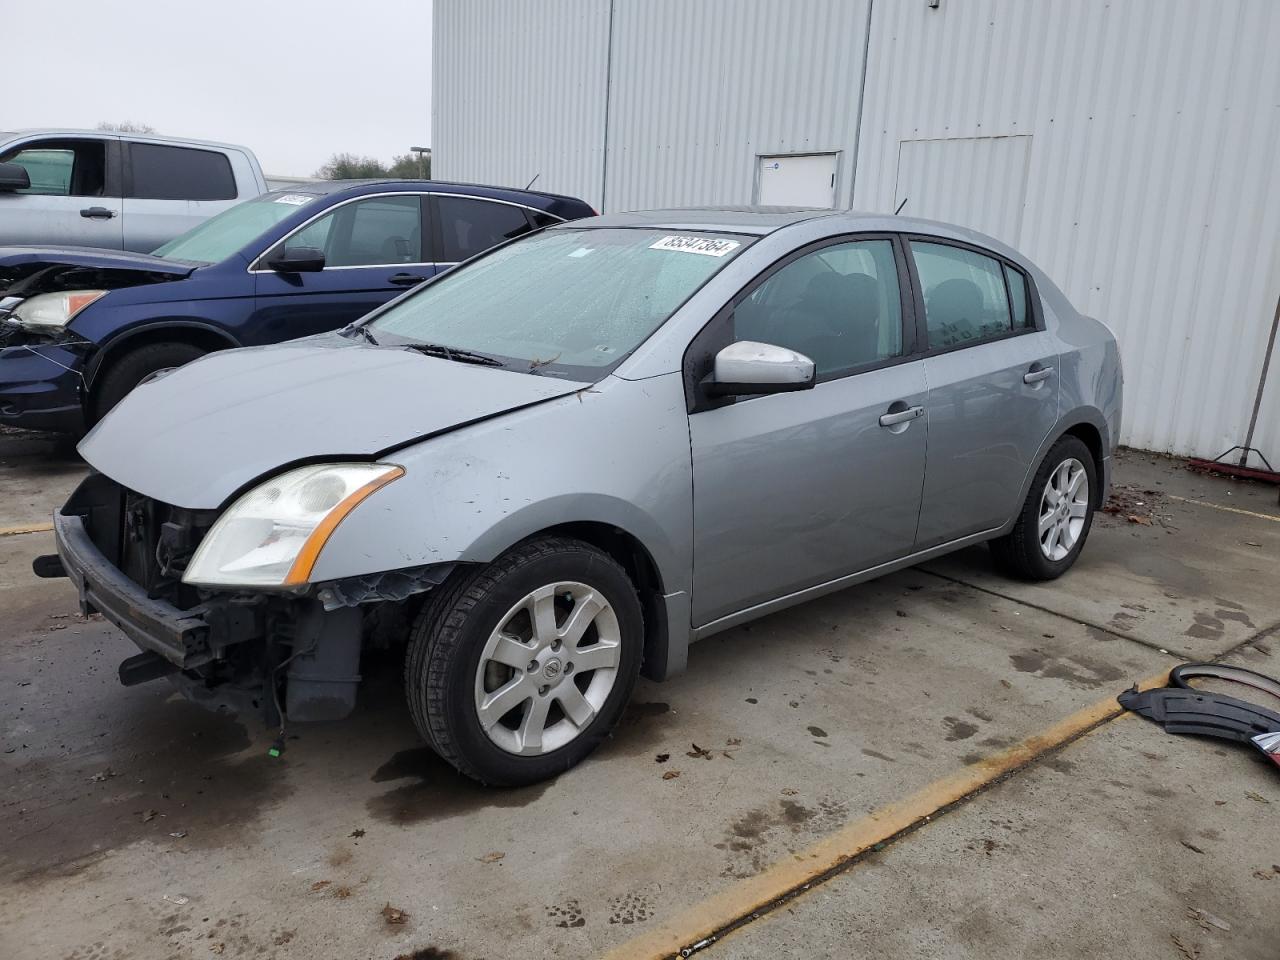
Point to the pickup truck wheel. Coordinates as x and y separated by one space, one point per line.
125 373
1055 518
518 669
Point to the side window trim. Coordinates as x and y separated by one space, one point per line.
124 154
112 181
917 293
524 208
911 318
427 199
255 266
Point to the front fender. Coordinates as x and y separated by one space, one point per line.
119 340
616 454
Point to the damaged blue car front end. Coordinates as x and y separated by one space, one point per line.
41 379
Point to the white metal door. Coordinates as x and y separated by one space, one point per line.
797 180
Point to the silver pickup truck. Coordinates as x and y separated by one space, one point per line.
124 191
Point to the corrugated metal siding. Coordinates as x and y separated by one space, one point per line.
1149 197
1147 192
519 90
699 89
980 182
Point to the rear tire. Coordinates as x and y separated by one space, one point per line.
128 371
490 673
1056 517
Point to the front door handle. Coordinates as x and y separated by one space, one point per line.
900 416
97 213
405 279
1036 376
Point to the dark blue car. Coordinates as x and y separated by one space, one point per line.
81 327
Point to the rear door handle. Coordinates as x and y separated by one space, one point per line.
405 279
97 213
1035 376
900 416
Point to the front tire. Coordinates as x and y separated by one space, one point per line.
135 366
517 670
1056 517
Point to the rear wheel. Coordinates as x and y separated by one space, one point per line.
135 366
517 670
1055 518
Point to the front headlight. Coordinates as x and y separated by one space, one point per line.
51 312
272 535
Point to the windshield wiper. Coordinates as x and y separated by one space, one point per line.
453 353
361 329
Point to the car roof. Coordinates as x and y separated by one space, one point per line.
143 137
324 188
753 220
761 221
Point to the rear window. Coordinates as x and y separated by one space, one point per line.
179 173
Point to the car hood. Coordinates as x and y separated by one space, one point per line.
195 437
26 271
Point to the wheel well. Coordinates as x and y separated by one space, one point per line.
202 337
643 572
1088 434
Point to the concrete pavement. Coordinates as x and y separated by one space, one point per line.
137 825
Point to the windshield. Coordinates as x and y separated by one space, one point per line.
566 302
221 236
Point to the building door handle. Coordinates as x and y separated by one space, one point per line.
97 213
405 279
895 417
1037 375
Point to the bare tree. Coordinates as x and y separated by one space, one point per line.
127 126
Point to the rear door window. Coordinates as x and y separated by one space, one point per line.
160 172
965 300
468 226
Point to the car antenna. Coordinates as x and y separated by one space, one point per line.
901 205
531 182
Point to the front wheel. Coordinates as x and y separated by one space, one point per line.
517 670
1055 518
128 371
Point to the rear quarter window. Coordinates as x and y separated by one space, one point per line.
159 172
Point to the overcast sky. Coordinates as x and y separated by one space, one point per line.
296 82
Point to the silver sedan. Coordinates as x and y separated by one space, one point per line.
554 467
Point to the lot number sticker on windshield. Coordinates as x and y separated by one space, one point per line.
706 246
294 199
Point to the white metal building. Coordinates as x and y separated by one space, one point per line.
1130 147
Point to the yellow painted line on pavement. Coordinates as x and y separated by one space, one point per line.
692 929
28 528
1217 506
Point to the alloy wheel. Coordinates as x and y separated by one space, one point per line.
1064 506
547 668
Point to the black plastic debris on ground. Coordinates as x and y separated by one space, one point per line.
1181 708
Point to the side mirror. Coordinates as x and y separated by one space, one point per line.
14 176
748 367
297 260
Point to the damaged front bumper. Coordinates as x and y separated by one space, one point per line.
294 652
185 638
40 386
